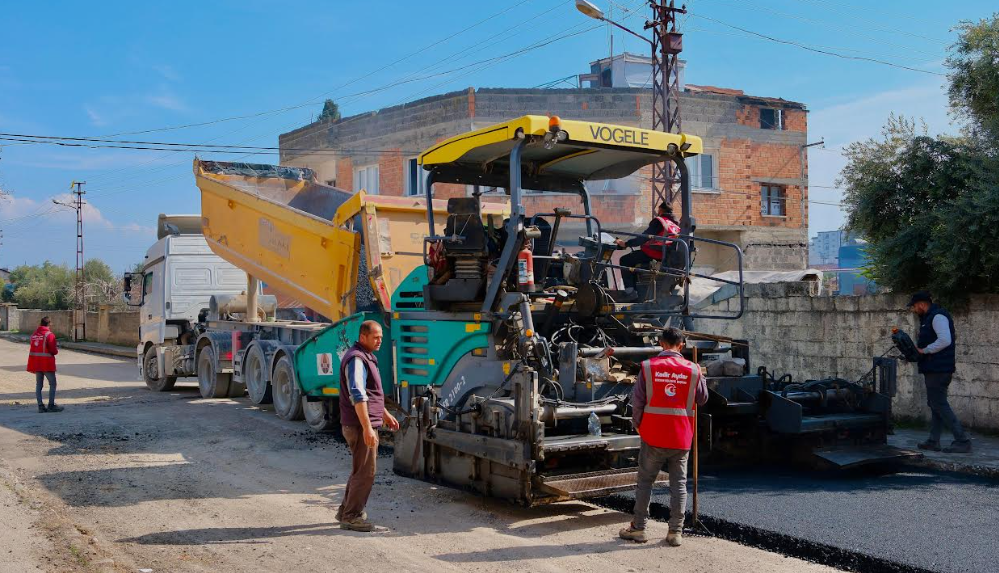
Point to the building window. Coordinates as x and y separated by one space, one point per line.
412 177
771 118
773 201
366 178
702 171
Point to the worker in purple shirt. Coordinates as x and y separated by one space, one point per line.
662 409
362 413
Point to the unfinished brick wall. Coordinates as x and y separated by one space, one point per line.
792 331
729 123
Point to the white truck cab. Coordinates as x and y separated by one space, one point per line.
179 275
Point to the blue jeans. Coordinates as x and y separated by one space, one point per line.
937 385
39 381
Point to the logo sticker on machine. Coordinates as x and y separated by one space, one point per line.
324 363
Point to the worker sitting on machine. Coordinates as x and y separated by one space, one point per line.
663 225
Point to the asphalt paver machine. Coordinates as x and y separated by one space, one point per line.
516 349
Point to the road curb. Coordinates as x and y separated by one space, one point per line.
956 467
105 350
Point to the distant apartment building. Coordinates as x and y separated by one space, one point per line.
823 248
750 184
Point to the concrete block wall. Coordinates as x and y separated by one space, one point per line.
62 321
105 326
792 331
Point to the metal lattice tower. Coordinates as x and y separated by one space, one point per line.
666 47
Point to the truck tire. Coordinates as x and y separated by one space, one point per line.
322 416
287 396
211 383
151 375
255 375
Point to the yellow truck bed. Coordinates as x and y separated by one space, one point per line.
280 225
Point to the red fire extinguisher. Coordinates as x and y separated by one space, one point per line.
525 269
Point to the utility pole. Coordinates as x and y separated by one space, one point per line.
667 44
79 298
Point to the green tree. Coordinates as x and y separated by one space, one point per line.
331 111
47 286
974 77
929 206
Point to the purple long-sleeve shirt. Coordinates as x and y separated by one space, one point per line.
639 399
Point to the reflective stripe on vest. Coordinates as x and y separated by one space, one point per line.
669 427
695 375
45 346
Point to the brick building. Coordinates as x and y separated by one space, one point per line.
750 186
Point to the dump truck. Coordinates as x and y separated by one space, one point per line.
511 346
279 226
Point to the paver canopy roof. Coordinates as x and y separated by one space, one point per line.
583 151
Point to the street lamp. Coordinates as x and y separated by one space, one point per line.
590 9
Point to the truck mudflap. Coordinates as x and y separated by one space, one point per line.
856 456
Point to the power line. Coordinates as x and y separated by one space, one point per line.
185 148
817 50
846 30
324 94
280 110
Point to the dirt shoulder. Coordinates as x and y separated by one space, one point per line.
126 479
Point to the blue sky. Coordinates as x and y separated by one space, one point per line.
88 69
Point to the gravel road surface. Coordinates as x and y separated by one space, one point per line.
126 479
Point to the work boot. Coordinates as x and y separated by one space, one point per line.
631 534
54 408
42 409
674 538
339 514
959 447
357 524
929 445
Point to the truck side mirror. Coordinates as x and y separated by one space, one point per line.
127 290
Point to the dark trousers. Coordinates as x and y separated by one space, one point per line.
362 474
633 259
40 381
937 385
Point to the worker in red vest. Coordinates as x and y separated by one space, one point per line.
662 405
41 361
663 225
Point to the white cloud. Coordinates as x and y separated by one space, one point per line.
96 119
168 72
14 207
167 101
91 215
137 229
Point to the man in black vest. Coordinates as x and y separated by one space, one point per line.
937 363
362 412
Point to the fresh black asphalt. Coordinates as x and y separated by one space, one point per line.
918 518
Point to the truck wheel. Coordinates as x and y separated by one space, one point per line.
255 374
321 416
287 396
151 373
211 383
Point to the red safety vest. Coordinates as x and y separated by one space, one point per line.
670 387
41 355
654 247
